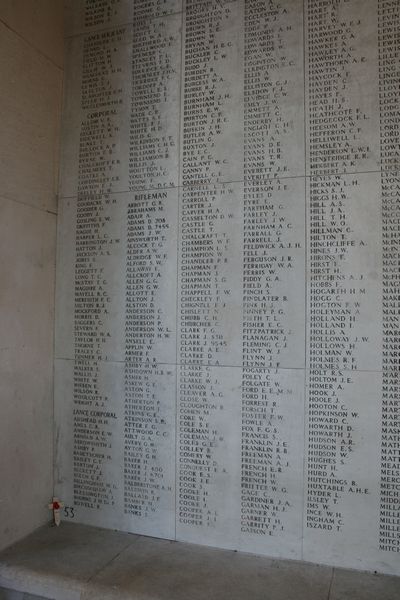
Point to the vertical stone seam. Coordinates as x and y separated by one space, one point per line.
305 279
179 190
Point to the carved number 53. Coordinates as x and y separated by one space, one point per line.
69 512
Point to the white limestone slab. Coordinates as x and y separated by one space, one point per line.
272 475
155 103
84 15
210 275
115 435
342 500
344 272
274 273
390 195
222 272
150 221
212 93
342 92
91 286
149 445
89 441
239 458
118 289
129 139
208 455
95 149
143 9
273 63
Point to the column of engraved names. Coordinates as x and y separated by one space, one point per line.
154 126
150 339
273 269
146 9
98 13
389 83
98 169
209 250
342 298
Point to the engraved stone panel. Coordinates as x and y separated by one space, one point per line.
208 455
227 292
95 149
88 476
341 87
116 469
341 509
92 15
272 462
212 93
273 273
148 450
155 108
210 284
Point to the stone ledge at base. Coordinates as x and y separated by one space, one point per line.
76 562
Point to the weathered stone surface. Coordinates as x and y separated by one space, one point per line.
58 562
31 99
28 245
76 561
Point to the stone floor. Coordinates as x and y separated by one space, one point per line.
78 562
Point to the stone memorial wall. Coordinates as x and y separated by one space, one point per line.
227 349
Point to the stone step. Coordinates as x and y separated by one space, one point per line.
14 595
77 562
